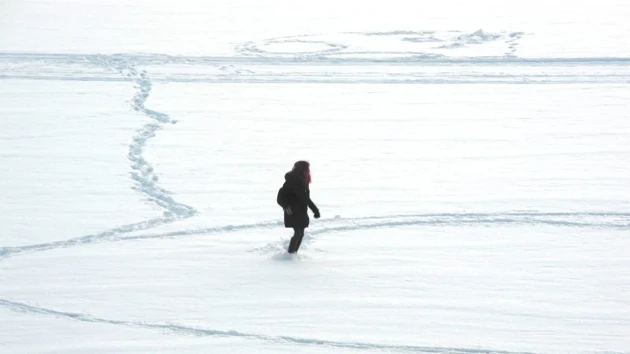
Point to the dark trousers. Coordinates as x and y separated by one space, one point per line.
296 240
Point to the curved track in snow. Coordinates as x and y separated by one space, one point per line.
143 175
595 220
198 331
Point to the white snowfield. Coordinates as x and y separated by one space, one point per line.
470 161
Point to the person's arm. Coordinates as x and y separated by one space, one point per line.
300 192
281 199
313 208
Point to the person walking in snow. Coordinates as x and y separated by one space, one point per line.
295 197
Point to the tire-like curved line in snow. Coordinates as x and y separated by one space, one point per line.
603 220
189 330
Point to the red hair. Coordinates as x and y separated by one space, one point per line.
305 168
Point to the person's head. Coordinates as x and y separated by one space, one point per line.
303 169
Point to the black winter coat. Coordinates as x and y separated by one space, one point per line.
296 194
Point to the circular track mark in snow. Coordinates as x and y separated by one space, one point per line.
290 46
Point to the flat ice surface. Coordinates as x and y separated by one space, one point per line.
469 160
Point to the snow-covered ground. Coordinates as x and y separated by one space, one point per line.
470 160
